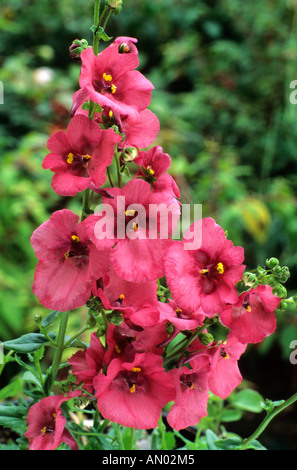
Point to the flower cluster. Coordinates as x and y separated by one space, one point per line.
150 289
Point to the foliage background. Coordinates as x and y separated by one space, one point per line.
222 71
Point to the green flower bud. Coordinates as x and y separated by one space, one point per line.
129 154
115 5
272 262
205 338
279 291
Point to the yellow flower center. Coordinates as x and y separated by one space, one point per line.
136 369
248 308
107 77
113 88
132 389
122 297
150 170
70 158
220 268
66 255
130 212
75 238
118 349
87 157
204 271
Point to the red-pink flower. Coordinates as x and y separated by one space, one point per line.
202 270
130 225
87 363
182 319
138 130
110 80
79 157
137 302
47 425
224 374
134 393
190 403
253 317
68 262
154 165
123 342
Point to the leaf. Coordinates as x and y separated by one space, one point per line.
12 416
248 400
27 343
50 318
10 390
228 416
211 438
229 443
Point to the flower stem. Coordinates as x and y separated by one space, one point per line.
60 348
267 420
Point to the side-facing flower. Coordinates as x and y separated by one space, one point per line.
137 302
87 363
203 268
252 318
154 165
190 403
225 375
80 156
47 425
140 389
68 262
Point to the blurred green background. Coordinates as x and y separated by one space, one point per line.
222 71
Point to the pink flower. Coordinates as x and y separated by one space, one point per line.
86 364
47 425
206 275
153 169
139 130
134 393
225 375
136 301
124 342
180 318
190 403
129 224
79 157
110 80
252 318
68 261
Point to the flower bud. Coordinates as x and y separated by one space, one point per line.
115 5
129 154
272 262
76 48
279 291
205 338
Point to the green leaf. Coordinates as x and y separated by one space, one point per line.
10 390
27 343
12 416
228 416
50 318
229 443
248 400
211 438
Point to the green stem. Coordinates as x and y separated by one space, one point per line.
267 420
119 437
80 332
96 22
60 348
117 158
86 203
132 439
